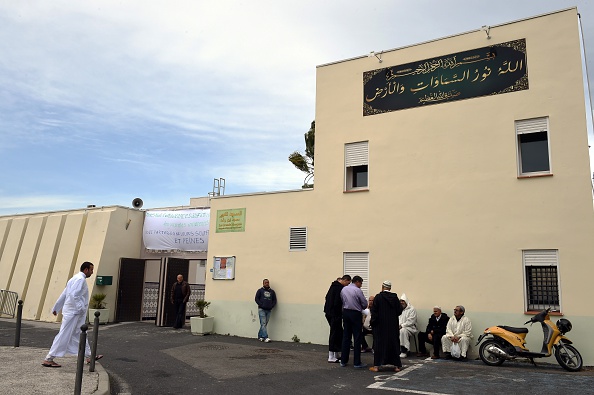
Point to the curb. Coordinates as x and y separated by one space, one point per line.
103 382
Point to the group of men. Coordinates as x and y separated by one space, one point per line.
392 321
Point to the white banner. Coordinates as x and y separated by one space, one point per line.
185 230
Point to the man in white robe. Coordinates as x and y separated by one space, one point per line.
459 330
73 302
408 325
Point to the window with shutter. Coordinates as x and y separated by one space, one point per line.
533 147
356 157
541 279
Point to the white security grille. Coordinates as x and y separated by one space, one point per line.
357 264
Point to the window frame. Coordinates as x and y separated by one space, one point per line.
543 259
532 126
356 156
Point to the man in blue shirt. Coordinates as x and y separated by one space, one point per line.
353 303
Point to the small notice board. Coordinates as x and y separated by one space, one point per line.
223 268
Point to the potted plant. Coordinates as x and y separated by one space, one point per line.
202 324
97 303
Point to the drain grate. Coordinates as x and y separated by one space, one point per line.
213 347
268 350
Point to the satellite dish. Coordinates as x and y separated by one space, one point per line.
137 203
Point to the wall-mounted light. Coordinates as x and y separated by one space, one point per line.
374 54
487 30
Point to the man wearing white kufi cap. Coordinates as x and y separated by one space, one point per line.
408 325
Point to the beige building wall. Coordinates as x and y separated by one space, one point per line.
445 217
40 252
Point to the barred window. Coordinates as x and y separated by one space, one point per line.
542 280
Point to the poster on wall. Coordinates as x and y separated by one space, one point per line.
230 220
223 268
180 230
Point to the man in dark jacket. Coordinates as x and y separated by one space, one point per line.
384 321
266 300
333 312
180 293
436 328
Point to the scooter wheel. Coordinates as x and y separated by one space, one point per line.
488 357
568 357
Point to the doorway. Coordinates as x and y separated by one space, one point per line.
130 290
173 266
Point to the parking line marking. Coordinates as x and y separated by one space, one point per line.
382 379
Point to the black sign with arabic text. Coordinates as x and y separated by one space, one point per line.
492 70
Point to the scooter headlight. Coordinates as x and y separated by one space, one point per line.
563 325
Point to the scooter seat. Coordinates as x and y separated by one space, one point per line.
512 329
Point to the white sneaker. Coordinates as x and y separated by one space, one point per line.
403 355
261 339
267 340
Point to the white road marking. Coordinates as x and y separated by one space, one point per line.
382 379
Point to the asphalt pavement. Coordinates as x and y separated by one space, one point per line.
141 358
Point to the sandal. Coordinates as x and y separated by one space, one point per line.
397 369
374 369
51 364
97 357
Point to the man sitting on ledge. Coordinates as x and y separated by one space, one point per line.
458 331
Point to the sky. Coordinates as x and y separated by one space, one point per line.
104 101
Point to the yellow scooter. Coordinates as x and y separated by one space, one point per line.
506 342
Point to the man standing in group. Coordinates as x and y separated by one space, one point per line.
367 330
436 328
180 293
73 302
266 300
353 303
458 331
333 312
384 321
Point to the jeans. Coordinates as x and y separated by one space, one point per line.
180 313
264 317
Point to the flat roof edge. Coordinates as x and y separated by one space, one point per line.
262 193
450 36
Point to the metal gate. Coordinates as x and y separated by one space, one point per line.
130 289
173 267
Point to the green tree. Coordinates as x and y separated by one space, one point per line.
305 162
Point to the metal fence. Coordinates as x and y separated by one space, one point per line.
197 293
151 299
8 302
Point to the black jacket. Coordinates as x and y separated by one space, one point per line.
333 304
438 327
186 291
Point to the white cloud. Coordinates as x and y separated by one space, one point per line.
115 99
